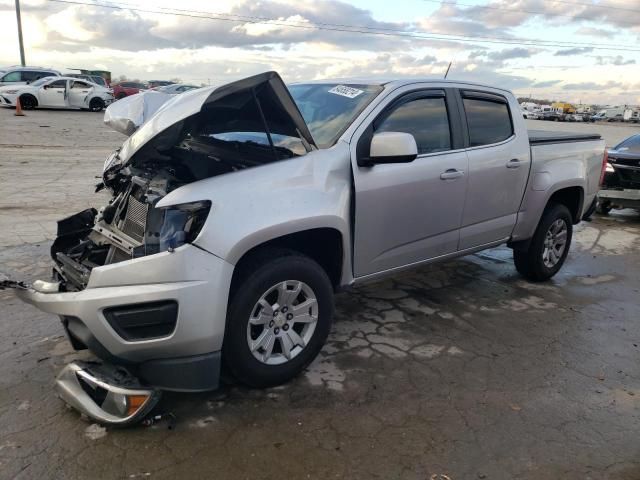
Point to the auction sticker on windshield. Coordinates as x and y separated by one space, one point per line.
345 91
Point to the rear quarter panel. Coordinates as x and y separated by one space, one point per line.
553 167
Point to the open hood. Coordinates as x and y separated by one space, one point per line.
276 110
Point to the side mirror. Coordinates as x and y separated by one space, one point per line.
393 147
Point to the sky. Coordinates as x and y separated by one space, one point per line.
581 51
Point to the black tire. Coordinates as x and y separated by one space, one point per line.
273 266
96 104
121 96
604 208
529 263
28 102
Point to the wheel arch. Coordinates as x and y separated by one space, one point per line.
572 197
325 245
29 94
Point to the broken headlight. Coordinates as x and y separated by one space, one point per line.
171 227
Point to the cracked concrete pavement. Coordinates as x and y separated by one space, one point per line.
461 370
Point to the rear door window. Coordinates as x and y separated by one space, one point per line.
12 77
488 118
424 118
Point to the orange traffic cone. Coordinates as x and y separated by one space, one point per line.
18 109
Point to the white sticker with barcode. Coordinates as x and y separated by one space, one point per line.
345 91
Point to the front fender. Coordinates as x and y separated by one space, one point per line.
253 206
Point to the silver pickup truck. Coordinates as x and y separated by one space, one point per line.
237 211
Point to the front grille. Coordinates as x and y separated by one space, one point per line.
135 221
628 177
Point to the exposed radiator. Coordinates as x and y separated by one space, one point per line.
135 220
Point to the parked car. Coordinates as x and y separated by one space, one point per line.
176 88
124 89
97 79
530 115
24 75
57 92
159 83
237 211
553 116
574 117
621 180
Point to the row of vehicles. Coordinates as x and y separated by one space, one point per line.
42 87
557 117
566 112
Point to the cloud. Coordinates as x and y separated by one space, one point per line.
595 32
511 53
546 83
573 51
592 86
618 60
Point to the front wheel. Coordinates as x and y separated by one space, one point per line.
549 246
28 102
96 104
278 319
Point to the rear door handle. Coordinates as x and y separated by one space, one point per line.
451 174
513 163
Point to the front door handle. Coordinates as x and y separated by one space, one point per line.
513 163
451 174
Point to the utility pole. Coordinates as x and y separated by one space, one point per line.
22 61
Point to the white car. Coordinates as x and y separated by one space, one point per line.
57 92
529 115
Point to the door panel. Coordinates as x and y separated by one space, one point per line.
78 94
410 212
54 95
406 213
498 172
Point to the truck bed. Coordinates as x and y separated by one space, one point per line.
538 137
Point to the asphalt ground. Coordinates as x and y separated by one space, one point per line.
461 370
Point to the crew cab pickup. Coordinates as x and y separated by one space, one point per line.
238 210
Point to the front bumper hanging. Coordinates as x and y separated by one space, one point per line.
106 393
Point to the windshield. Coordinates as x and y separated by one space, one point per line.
329 108
631 144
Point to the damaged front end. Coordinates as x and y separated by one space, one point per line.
130 226
122 285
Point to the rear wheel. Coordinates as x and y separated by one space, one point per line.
549 246
28 102
278 319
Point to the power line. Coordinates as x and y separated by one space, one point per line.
297 24
532 12
358 29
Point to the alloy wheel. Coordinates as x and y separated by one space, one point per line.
282 322
554 243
